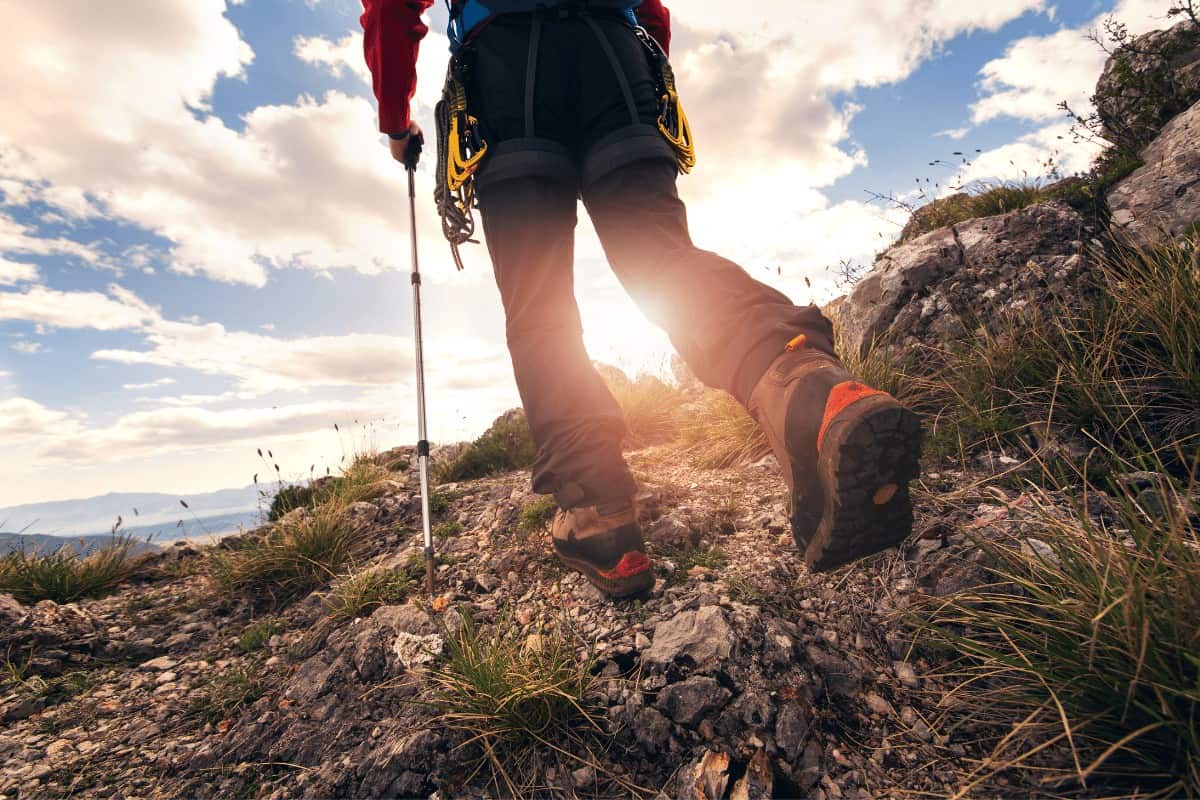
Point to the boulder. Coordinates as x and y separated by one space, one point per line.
1147 82
939 286
1161 199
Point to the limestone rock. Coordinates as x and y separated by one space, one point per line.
700 638
937 287
1147 83
1162 198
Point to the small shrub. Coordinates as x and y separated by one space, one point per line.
291 559
357 594
525 702
439 502
537 515
506 446
257 635
447 529
289 498
229 692
64 576
359 481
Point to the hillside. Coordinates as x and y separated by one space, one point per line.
1036 636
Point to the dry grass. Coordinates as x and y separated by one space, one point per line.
297 555
1123 373
64 576
524 703
1080 661
717 432
651 409
357 594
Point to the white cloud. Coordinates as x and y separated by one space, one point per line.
1036 73
954 133
22 418
27 348
259 363
308 185
184 429
118 310
18 238
339 57
148 385
12 272
264 363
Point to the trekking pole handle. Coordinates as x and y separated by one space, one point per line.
412 151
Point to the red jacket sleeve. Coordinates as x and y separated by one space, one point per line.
655 18
392 33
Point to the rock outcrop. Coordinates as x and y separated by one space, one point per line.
1161 199
937 287
1147 82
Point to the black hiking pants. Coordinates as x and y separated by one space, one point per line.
562 123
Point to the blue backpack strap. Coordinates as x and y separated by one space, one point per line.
466 15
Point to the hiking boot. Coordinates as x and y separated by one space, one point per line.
605 544
847 451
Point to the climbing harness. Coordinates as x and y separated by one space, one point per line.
461 148
672 120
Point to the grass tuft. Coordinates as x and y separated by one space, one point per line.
650 408
64 576
1081 655
362 592
229 692
717 432
296 556
524 702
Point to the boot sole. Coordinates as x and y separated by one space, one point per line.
638 583
870 453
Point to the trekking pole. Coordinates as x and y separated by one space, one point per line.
412 155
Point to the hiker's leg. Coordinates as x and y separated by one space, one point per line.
529 221
574 420
727 326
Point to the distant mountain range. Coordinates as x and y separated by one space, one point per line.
159 517
40 543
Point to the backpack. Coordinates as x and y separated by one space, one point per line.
466 15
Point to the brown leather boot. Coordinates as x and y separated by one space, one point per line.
847 451
605 544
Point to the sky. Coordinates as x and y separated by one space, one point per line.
204 243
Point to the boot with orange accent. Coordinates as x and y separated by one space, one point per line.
605 544
847 451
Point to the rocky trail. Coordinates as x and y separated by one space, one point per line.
805 685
